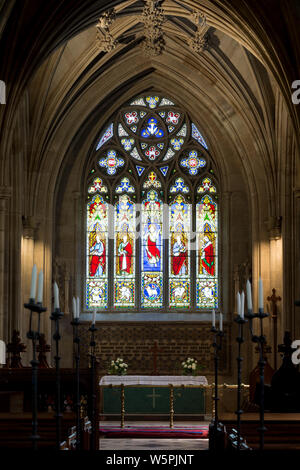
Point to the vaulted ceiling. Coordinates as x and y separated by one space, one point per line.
237 90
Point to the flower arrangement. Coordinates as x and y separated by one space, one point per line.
118 367
190 366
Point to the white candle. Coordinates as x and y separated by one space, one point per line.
249 295
56 296
74 308
213 318
260 295
242 304
238 303
40 287
94 316
33 282
221 322
77 309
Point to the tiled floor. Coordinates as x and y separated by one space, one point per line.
152 444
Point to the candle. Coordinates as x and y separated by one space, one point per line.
260 295
242 304
238 303
40 287
33 282
56 296
213 318
221 322
249 296
94 316
74 308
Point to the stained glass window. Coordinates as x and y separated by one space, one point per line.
151 183
124 252
152 251
179 253
207 249
97 252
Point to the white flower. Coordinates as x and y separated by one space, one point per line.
193 366
190 366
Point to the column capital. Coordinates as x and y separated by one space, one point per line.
29 226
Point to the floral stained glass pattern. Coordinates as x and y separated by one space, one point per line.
111 162
193 163
97 186
124 262
97 252
152 129
179 186
152 101
125 186
152 181
206 185
152 251
179 259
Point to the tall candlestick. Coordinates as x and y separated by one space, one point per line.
242 304
238 303
213 318
94 316
74 308
33 282
221 321
40 287
249 295
260 295
56 296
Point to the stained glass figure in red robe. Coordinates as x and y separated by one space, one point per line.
153 253
97 252
125 255
179 253
207 257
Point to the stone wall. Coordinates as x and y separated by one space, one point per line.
176 343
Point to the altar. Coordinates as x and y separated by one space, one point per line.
135 394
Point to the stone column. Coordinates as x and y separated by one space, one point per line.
27 260
5 195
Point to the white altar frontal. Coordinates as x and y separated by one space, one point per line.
141 382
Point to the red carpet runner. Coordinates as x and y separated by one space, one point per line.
201 432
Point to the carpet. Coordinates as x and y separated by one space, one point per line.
201 432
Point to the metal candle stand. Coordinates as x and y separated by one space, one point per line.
240 339
260 340
215 428
34 336
56 316
76 340
93 329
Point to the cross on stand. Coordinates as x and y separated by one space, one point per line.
286 348
153 396
274 299
15 348
155 350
